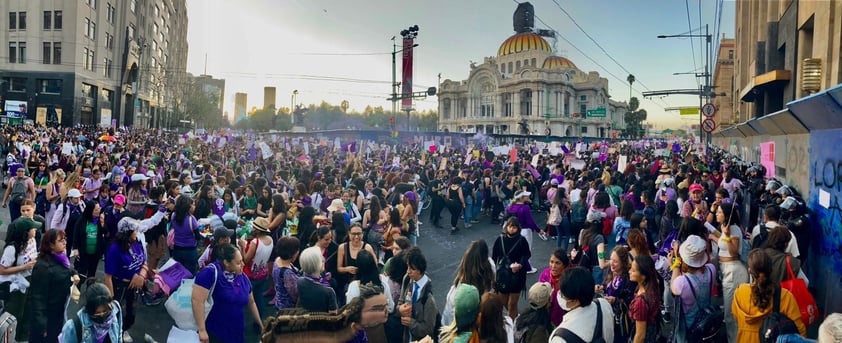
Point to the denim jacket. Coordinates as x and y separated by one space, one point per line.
68 332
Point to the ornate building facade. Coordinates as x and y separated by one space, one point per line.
526 89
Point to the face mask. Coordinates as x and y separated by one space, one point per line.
563 303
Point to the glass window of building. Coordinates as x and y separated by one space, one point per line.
57 20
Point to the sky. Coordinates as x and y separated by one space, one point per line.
342 50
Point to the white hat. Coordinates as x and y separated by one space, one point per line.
522 194
74 193
595 216
335 205
139 177
150 174
693 251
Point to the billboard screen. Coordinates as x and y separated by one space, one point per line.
15 108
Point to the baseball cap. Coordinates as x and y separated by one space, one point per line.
539 295
119 199
74 193
222 232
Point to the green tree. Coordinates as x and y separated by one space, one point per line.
262 119
634 118
344 106
194 104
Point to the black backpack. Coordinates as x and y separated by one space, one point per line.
571 337
760 241
776 323
707 326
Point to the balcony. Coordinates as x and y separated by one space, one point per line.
764 82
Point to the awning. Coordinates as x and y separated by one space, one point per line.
759 82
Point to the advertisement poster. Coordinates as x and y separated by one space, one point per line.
767 158
16 109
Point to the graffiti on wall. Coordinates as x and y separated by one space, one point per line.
825 198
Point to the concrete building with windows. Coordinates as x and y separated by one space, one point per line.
214 88
269 97
95 62
723 82
527 89
240 106
785 50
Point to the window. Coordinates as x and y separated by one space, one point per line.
154 46
109 14
503 68
88 58
156 12
584 130
16 84
87 27
56 20
131 31
50 86
583 109
13 52
47 53
106 70
154 29
21 20
13 21
56 52
510 68
583 98
731 54
517 65
532 62
48 20
21 52
526 102
109 41
91 3
93 30
133 5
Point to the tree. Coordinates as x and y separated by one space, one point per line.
631 80
634 117
262 119
344 106
194 104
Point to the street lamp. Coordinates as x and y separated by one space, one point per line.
292 106
705 91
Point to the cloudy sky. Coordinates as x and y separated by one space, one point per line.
336 50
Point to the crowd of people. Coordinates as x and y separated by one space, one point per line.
317 241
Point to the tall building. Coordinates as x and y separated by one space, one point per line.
526 89
240 106
94 61
269 97
723 82
786 50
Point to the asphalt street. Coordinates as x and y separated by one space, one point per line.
442 250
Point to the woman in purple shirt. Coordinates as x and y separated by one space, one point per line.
185 226
125 265
231 292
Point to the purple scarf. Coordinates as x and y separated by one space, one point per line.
63 259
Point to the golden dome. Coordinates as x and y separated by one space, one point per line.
558 62
523 42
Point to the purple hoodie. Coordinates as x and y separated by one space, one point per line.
524 215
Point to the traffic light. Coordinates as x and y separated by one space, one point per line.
392 123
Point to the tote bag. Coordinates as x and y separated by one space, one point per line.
805 300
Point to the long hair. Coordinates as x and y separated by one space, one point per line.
732 215
367 268
395 218
475 269
278 204
625 262
374 211
593 230
763 288
491 324
653 283
182 208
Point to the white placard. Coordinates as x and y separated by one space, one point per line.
307 148
824 198
621 163
267 152
577 164
66 148
535 161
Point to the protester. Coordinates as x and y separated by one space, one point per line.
185 227
18 260
285 276
224 281
256 259
100 319
511 251
559 262
51 280
90 238
534 325
314 293
576 296
475 270
467 307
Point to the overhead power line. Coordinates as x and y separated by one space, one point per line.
597 44
692 45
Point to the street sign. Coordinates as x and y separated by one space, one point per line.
708 110
708 125
599 112
688 111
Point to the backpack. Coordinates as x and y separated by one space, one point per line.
571 337
776 323
760 240
707 326
18 193
428 291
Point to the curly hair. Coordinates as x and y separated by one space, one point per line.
637 241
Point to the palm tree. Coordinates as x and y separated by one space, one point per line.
344 106
631 80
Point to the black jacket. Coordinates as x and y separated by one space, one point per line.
80 239
48 292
